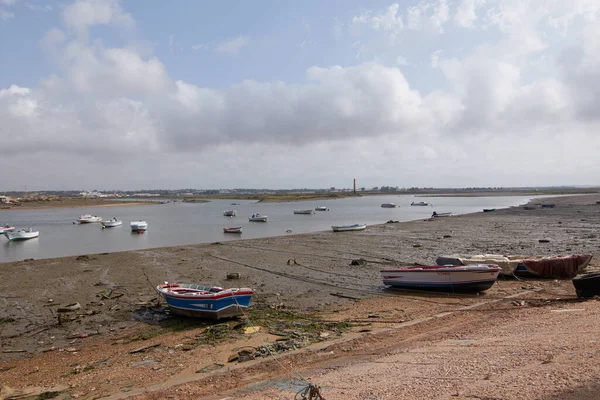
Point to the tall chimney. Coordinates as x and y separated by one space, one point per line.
354 185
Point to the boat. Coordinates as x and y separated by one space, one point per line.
88 219
233 230
489 209
548 205
229 213
206 302
6 228
304 212
420 203
587 285
348 228
465 278
440 215
321 208
21 234
556 267
111 223
529 207
258 218
388 205
138 226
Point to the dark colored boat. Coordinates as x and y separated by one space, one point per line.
489 209
587 285
548 205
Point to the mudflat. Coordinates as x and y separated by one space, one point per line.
320 314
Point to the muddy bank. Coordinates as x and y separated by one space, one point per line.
71 203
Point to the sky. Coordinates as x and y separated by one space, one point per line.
143 94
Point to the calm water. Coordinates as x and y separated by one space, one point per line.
183 223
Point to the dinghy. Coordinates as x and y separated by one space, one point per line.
258 218
388 205
7 228
21 234
304 212
348 228
111 223
88 219
237 229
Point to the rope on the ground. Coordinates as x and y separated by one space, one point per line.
310 392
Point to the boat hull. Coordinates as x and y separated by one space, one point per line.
232 230
111 224
442 278
321 209
587 285
258 219
139 226
7 229
388 205
89 219
17 236
304 212
422 204
349 228
229 213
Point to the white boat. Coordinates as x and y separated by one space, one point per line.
321 208
229 213
388 205
440 215
21 234
348 228
419 203
304 212
258 218
111 223
237 229
467 278
138 226
88 219
7 228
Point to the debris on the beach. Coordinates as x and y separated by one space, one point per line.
360 261
292 261
417 245
519 303
144 348
69 308
252 329
544 241
233 275
209 368
14 351
83 258
391 221
447 236
8 393
344 296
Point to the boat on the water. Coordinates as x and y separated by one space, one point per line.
88 219
229 213
388 205
489 209
21 234
468 278
348 228
258 218
6 228
207 302
237 229
587 285
304 212
321 208
138 226
556 267
419 203
440 215
111 223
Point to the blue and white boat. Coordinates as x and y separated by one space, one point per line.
22 234
449 278
206 302
348 228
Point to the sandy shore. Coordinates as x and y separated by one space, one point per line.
73 203
342 328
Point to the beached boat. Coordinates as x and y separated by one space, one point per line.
587 285
419 203
258 218
530 207
204 301
440 215
388 205
489 209
348 228
88 219
556 267
469 278
304 212
321 208
548 205
111 223
21 234
6 228
229 213
138 226
237 229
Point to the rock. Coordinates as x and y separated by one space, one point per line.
233 275
447 236
417 245
544 241
360 261
69 308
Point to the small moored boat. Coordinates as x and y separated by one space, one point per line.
111 223
348 228
138 226
304 212
321 208
229 213
440 215
237 229
419 203
21 234
88 219
6 228
204 301
468 278
258 218
388 205
489 209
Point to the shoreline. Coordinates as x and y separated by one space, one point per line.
64 206
304 277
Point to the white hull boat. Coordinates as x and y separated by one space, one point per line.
321 208
138 226
468 278
237 229
420 203
304 212
111 223
440 215
7 228
258 218
349 228
229 213
89 219
22 234
388 205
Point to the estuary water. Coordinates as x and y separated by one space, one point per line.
175 224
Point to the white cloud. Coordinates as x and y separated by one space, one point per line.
402 61
232 46
83 14
40 8
6 15
199 46
466 14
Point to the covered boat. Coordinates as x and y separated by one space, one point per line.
469 278
207 302
21 234
440 215
111 223
138 226
321 208
557 267
419 203
6 228
237 229
88 219
347 228
258 218
388 205
305 212
587 285
229 213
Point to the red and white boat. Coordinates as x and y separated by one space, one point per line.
467 278
237 229
6 228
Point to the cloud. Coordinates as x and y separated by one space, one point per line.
466 14
199 46
83 14
232 46
6 15
40 8
402 61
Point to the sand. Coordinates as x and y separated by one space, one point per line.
397 345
